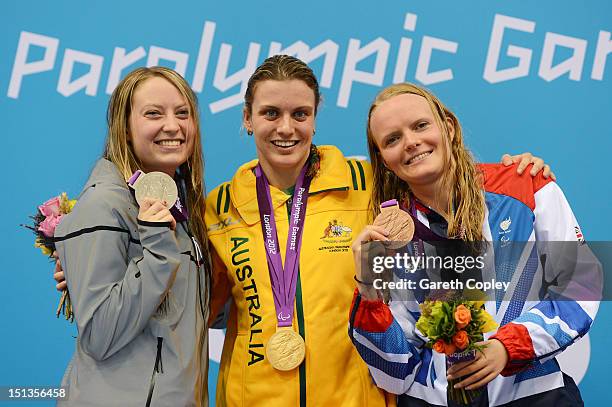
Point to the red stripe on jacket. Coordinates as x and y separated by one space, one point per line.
504 180
371 316
517 342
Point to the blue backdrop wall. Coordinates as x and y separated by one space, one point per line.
521 75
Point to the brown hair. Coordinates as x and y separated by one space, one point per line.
285 68
119 151
466 204
281 68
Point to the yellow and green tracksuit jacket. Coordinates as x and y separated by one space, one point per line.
333 373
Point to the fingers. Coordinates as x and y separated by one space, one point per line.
524 160
58 276
507 160
474 377
538 164
368 234
450 372
154 210
464 368
150 209
146 203
372 232
482 382
547 173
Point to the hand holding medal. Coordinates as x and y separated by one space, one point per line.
397 222
392 229
156 193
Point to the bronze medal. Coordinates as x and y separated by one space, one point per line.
399 224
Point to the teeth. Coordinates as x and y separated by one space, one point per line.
285 143
418 158
169 143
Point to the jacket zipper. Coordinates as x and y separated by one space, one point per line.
157 369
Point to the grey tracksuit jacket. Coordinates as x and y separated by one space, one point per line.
129 350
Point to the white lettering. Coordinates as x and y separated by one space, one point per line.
427 46
604 47
223 82
121 60
491 73
306 54
354 55
573 64
179 58
208 33
403 54
89 81
22 68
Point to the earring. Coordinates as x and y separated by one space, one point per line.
250 132
314 131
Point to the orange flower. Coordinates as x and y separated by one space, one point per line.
461 340
439 346
463 316
449 348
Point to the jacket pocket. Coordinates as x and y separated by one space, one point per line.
158 368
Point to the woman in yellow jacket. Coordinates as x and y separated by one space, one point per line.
286 342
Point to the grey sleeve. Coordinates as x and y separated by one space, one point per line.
113 296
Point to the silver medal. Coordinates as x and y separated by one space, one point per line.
156 185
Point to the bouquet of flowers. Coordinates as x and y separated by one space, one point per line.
45 221
454 326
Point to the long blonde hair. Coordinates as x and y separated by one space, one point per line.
466 202
119 151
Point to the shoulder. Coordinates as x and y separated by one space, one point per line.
502 180
101 204
218 199
354 170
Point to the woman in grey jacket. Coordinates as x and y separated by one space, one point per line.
137 276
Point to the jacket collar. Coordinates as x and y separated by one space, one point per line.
333 175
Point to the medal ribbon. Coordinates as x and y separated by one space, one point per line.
283 280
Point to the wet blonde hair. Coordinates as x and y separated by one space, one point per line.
119 151
466 204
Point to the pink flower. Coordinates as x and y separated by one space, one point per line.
48 225
51 207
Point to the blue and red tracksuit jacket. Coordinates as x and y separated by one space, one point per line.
534 325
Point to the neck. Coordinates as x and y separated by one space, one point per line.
283 178
434 195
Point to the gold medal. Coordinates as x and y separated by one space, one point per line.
399 224
285 349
